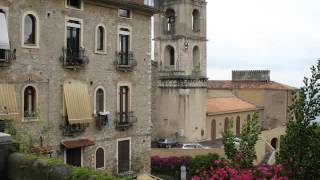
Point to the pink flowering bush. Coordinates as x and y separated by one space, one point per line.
222 169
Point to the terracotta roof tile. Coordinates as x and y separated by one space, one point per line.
248 85
70 144
228 104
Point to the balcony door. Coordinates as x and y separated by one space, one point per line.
123 156
73 39
124 43
124 104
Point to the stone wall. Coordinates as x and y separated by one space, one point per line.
41 67
251 75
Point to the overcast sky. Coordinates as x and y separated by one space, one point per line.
280 35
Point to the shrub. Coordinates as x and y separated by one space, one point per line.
168 166
202 162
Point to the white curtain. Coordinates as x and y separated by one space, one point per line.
4 37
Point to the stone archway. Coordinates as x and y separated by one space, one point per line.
213 130
274 143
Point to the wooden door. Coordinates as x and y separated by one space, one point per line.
238 126
100 158
74 157
213 129
123 156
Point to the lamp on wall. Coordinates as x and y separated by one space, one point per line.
186 45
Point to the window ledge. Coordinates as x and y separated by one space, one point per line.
74 8
31 119
30 46
100 52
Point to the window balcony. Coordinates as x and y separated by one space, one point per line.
125 120
74 60
6 57
125 61
73 129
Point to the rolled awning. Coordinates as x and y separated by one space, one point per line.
77 143
77 102
8 102
4 36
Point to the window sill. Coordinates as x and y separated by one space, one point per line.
30 46
74 8
100 52
30 119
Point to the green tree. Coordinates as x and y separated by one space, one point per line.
300 146
249 136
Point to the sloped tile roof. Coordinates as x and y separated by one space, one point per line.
271 85
70 144
228 105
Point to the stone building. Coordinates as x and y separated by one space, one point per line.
75 75
256 88
179 72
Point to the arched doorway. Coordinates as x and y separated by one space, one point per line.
213 130
274 143
238 126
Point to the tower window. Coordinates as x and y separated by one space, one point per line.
195 21
170 56
196 59
170 20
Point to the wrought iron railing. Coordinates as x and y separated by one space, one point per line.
73 129
7 56
125 120
125 61
73 59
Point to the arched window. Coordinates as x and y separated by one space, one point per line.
274 143
248 117
100 39
99 158
238 126
30 31
100 98
170 20
170 56
30 102
226 124
196 58
195 20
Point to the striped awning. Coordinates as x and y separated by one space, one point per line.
4 36
8 102
77 102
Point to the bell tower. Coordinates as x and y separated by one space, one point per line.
180 73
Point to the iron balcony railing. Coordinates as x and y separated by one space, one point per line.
7 56
72 59
125 61
125 120
73 129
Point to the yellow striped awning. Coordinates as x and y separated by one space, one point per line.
8 102
77 101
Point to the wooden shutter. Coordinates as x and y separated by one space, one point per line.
100 158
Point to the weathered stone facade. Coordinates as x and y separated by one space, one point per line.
40 67
179 85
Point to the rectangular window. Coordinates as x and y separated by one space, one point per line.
74 3
73 39
125 13
124 104
2 54
124 42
